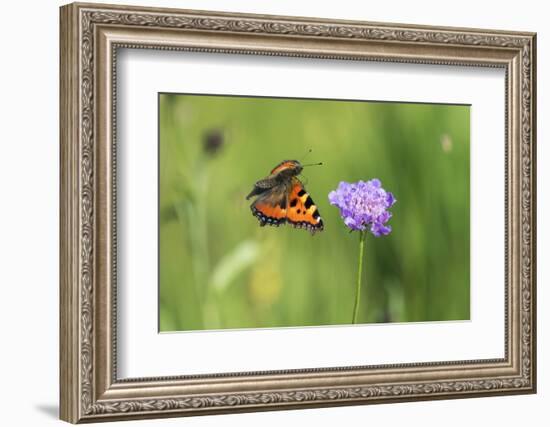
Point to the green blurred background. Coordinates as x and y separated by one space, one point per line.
219 269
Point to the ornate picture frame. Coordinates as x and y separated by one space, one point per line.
90 37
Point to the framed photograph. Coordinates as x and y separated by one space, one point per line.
266 212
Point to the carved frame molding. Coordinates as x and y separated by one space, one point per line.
90 37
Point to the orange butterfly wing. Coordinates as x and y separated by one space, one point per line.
270 207
290 203
301 210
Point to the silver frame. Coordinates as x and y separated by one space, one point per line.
90 37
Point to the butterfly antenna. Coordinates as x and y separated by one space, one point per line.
309 150
313 164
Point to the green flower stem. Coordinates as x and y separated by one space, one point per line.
362 235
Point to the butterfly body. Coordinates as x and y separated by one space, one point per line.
282 199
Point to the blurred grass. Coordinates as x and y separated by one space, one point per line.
219 269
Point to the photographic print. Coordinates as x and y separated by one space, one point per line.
286 212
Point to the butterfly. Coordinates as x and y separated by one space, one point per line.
282 199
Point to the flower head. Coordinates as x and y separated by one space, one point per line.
213 141
364 204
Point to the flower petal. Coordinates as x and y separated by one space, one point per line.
350 222
380 229
390 200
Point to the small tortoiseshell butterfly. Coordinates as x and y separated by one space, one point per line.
282 199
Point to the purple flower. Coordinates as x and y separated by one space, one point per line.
364 204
